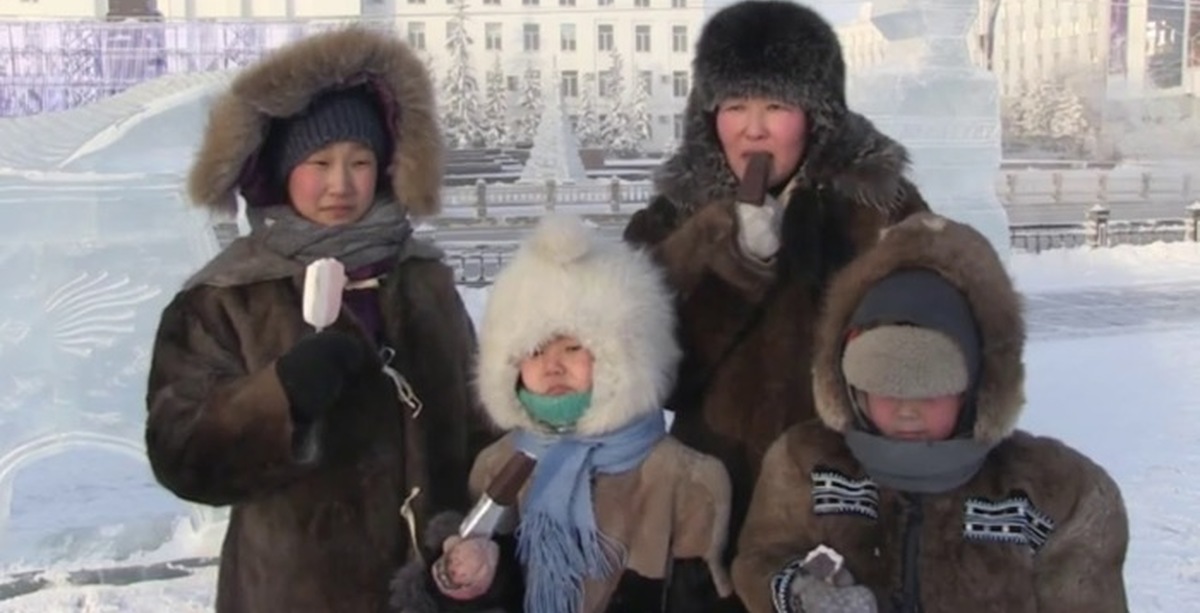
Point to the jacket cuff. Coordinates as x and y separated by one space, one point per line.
781 585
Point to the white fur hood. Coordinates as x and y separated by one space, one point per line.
564 281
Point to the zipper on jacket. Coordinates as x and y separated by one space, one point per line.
909 598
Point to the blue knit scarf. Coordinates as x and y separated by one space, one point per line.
558 542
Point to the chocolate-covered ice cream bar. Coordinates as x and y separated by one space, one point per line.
501 495
752 189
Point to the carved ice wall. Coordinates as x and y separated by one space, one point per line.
88 259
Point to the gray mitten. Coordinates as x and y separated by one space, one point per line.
819 584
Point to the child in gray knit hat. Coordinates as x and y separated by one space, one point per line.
330 157
914 491
318 432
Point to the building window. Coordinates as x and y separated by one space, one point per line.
604 2
567 37
492 2
416 1
532 36
416 34
678 4
647 78
641 39
566 2
678 126
603 86
641 3
679 84
493 40
570 84
529 2
604 37
679 41
513 83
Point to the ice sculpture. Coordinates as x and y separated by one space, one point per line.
87 260
931 97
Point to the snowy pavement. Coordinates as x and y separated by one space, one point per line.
1100 312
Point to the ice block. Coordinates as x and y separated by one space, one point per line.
324 281
752 189
501 495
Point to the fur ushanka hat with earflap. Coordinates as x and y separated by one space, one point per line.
609 296
784 51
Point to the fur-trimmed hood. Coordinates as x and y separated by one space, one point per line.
785 51
611 297
963 257
282 85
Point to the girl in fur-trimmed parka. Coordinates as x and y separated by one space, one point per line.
768 76
914 473
318 439
576 356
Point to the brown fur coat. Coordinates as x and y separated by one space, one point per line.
747 328
1040 528
325 535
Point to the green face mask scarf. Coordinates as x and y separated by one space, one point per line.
558 412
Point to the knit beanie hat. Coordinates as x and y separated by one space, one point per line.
340 115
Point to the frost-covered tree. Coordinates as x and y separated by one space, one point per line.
1049 116
495 111
1068 118
529 105
460 90
615 129
588 126
1029 112
430 66
555 152
639 115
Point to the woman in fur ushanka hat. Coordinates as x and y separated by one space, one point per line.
576 357
318 438
768 78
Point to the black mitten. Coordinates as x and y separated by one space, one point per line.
316 370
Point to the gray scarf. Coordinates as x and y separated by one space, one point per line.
282 243
917 466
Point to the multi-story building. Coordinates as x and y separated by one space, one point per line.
571 44
1040 41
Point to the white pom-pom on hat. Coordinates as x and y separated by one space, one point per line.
561 238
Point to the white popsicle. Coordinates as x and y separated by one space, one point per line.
324 281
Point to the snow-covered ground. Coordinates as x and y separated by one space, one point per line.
1125 394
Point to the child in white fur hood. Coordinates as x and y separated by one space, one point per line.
577 354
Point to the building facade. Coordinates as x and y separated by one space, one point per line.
572 45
